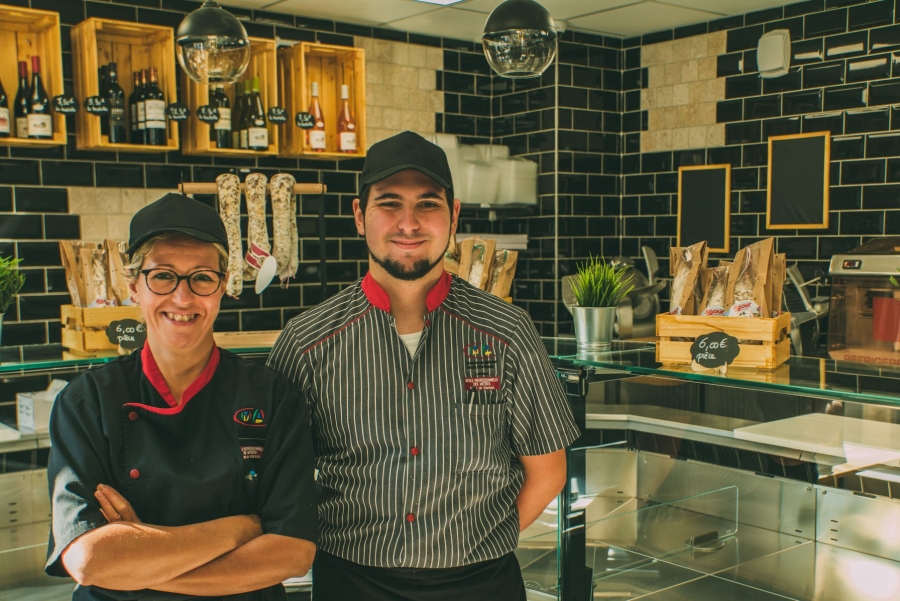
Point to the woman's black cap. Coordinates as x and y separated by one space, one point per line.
176 213
403 151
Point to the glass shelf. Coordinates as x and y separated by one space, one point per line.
808 376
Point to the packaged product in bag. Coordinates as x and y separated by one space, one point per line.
779 271
749 289
685 264
475 258
715 287
502 273
451 257
96 277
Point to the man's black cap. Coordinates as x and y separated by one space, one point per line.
176 213
406 150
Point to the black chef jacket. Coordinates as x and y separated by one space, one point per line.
238 444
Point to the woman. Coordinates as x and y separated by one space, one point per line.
212 452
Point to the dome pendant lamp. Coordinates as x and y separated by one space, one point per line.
519 39
213 46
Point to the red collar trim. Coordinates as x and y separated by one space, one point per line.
151 371
378 297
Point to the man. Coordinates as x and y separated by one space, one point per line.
439 423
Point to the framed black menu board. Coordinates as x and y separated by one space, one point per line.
798 181
704 206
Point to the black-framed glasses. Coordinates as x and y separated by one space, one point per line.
165 281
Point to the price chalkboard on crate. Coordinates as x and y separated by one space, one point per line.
96 105
208 113
65 105
305 121
799 169
128 333
715 350
704 206
277 114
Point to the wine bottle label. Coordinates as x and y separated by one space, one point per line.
224 121
134 117
258 138
317 139
116 115
156 112
39 125
348 141
244 139
22 127
142 115
235 139
4 120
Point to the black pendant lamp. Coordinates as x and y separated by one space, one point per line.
519 39
213 46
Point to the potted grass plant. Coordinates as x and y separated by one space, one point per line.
598 287
11 281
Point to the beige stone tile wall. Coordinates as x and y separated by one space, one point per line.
400 88
682 92
106 212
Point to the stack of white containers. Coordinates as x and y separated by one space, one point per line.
485 175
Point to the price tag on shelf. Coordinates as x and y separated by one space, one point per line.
305 121
277 114
127 333
65 105
208 113
178 111
714 350
96 105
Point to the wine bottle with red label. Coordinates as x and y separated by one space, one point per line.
40 123
21 106
346 123
316 136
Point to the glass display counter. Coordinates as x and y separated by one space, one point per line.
683 485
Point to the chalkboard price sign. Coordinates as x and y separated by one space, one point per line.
277 114
96 105
65 105
716 349
305 121
178 111
127 333
208 113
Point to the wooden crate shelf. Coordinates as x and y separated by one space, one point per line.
263 64
772 347
131 46
32 33
84 328
331 66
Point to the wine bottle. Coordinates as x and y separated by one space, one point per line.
20 107
236 113
115 98
257 133
346 123
137 136
40 124
4 113
245 115
316 135
104 84
155 106
141 100
220 133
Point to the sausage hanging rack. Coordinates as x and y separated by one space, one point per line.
320 189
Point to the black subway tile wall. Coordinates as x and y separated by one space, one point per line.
581 122
843 79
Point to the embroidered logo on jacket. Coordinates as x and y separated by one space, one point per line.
479 350
250 417
482 383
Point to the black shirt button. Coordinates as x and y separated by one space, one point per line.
133 415
135 474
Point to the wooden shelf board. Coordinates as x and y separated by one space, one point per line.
146 148
11 141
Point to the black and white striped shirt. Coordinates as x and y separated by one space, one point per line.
417 455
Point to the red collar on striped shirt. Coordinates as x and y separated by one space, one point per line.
378 297
151 370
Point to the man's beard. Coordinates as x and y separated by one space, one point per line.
417 271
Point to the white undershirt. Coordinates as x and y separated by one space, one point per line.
411 341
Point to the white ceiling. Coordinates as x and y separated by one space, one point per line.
465 20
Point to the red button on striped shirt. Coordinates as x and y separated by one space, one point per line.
410 517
